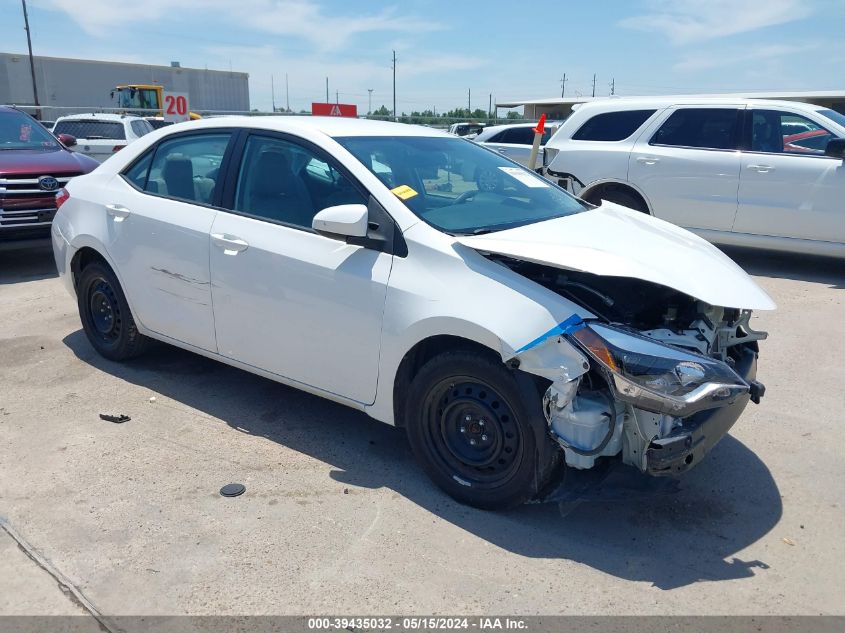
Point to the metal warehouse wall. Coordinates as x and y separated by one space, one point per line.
85 84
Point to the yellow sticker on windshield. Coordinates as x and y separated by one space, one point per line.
403 192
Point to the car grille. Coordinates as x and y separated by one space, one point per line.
23 204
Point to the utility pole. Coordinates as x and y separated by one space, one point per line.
287 94
370 101
273 92
594 84
563 85
490 106
612 86
336 96
469 101
31 60
394 87
327 90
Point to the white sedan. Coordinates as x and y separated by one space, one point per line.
511 329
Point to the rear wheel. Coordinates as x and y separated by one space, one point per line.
106 318
471 431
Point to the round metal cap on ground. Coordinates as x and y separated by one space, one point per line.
232 490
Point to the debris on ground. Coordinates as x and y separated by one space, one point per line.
788 541
232 490
117 419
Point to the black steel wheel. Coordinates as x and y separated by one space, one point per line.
471 429
105 314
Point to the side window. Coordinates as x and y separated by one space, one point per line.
498 137
778 132
286 182
187 167
612 126
137 173
707 128
519 135
140 128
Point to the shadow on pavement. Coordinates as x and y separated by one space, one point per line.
26 264
825 270
724 506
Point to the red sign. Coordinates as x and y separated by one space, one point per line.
334 109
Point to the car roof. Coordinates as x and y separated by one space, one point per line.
330 126
98 116
634 103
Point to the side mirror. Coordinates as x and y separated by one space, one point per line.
67 140
835 148
344 220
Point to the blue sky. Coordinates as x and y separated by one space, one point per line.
508 49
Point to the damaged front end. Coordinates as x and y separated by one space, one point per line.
659 391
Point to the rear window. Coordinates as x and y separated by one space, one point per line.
707 128
91 130
612 126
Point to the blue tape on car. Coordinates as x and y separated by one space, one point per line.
571 324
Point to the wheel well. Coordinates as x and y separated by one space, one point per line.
419 355
594 195
84 256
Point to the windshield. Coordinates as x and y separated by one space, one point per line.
833 115
19 131
458 186
138 98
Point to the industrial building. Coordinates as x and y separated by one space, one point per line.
558 108
69 85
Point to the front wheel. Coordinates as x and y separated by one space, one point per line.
106 318
470 429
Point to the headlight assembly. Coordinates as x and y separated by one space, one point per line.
658 377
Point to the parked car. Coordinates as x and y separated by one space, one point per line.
33 166
516 140
48 124
466 129
505 329
733 170
99 134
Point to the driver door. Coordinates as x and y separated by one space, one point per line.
286 299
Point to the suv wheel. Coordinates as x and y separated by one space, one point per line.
619 196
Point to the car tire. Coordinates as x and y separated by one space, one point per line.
473 433
618 196
105 314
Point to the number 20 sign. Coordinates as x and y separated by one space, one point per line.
176 106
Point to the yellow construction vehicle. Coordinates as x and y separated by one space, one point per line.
143 99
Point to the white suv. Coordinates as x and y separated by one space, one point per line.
99 134
746 172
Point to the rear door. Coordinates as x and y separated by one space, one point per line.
688 166
160 212
788 187
287 299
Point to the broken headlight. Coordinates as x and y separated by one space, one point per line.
658 377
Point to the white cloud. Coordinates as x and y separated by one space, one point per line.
304 19
689 21
740 57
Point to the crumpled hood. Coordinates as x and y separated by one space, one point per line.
618 242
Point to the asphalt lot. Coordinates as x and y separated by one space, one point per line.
337 518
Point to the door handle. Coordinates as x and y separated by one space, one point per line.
761 168
117 211
231 245
648 160
502 150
